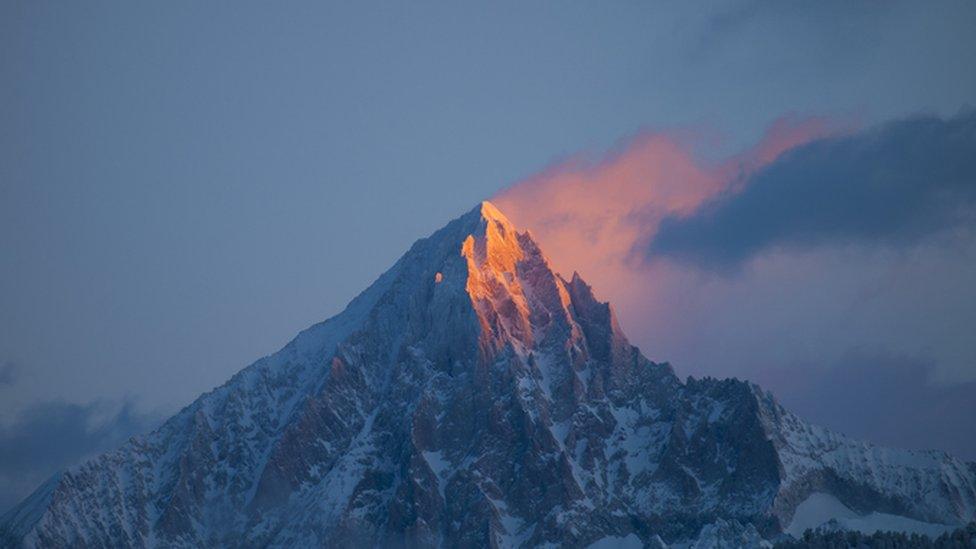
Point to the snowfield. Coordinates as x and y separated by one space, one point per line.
820 510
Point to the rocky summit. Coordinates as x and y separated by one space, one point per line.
472 397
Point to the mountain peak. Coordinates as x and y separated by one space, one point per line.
496 242
491 212
473 397
485 215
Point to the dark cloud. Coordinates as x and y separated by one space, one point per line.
888 400
894 184
50 436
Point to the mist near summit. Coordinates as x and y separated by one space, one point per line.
827 263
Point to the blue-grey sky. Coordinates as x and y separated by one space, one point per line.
186 185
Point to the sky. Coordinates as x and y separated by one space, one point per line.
778 191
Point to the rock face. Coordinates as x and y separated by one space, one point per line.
473 397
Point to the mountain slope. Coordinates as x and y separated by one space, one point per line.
473 397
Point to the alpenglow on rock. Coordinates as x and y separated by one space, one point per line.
471 397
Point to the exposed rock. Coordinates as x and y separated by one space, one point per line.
472 397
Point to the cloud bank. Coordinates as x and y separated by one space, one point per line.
896 184
806 257
902 408
614 204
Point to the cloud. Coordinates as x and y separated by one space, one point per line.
894 185
892 400
613 204
50 436
806 311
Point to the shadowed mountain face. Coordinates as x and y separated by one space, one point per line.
473 397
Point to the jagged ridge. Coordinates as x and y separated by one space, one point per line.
473 397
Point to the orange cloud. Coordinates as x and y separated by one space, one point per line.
597 217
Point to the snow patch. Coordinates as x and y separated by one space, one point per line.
819 509
438 465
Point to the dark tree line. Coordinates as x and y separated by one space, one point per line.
962 538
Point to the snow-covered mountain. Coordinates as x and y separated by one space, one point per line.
473 397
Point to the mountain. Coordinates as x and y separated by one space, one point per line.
472 397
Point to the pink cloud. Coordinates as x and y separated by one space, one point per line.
789 319
591 216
